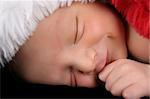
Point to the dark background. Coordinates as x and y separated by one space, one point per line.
13 87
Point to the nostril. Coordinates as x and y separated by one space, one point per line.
84 72
87 73
81 72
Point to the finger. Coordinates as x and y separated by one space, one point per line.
106 71
116 74
133 92
120 84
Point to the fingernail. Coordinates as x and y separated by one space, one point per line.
101 77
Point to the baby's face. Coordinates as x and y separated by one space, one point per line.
71 46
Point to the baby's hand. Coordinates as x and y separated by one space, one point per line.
127 78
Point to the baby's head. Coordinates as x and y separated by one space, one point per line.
72 45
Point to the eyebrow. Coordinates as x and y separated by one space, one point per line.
76 34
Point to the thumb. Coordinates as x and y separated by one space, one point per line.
106 71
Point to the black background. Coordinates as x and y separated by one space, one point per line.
13 87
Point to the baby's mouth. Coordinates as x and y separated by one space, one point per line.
73 79
100 64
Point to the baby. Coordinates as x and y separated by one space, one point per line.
76 43
72 52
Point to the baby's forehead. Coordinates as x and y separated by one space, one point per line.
91 10
66 21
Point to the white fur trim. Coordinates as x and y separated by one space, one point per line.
19 18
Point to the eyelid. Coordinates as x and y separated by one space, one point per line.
82 33
78 35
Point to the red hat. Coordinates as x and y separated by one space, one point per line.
136 13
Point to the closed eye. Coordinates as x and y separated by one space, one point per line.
82 33
78 34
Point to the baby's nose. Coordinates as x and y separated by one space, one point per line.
85 60
91 53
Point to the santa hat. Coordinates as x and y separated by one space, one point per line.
18 20
136 12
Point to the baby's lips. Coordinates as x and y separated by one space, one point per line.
101 62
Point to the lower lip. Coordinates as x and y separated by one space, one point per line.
73 79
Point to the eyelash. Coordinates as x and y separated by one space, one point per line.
77 32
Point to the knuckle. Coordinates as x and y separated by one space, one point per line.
121 61
125 67
126 94
107 86
115 92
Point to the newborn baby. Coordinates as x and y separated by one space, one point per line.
71 46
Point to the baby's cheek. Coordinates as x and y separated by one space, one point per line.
61 77
85 80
